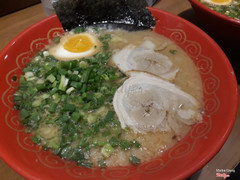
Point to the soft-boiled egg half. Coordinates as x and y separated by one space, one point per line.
76 46
218 2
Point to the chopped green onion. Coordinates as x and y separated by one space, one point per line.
91 118
52 108
83 64
45 53
56 97
56 40
173 51
29 76
37 102
125 145
53 145
102 163
136 144
24 113
107 150
79 29
69 107
134 160
36 139
51 78
63 83
114 141
69 90
76 116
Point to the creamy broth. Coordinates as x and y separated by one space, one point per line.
188 78
56 112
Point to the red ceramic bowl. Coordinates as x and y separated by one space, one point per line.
202 142
222 28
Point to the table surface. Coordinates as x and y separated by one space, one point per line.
227 157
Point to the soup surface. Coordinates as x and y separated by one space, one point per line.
67 104
231 8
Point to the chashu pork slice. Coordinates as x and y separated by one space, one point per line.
144 58
146 103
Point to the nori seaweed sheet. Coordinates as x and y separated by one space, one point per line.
127 14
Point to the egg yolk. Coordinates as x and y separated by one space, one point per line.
221 1
79 43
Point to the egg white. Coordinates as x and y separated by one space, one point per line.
228 2
59 52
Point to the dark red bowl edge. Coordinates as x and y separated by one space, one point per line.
215 13
219 145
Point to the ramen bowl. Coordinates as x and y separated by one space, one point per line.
224 29
201 143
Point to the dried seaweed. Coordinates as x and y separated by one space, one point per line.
126 14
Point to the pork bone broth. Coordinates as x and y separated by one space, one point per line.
188 77
118 98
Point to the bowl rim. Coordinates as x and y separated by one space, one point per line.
215 13
225 136
4 155
188 171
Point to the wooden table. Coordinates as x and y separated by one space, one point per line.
228 156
